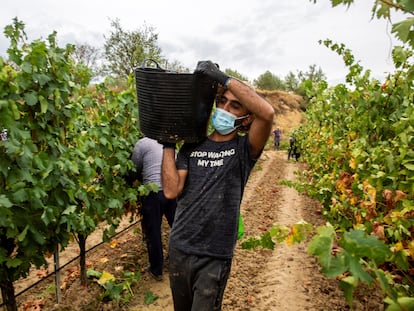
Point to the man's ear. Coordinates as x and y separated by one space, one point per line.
248 120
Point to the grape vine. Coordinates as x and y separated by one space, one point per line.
358 142
64 152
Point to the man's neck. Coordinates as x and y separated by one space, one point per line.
216 136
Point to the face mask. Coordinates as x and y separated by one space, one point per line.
225 122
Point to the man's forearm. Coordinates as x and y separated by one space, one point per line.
169 174
256 104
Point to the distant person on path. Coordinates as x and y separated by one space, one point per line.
291 145
147 157
209 179
277 134
293 149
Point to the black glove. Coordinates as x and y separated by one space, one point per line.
208 68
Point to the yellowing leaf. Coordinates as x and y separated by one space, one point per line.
398 246
340 185
353 163
289 240
411 248
353 135
370 191
105 278
298 233
113 243
353 200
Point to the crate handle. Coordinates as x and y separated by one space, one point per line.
145 61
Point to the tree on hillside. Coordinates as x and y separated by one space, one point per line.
313 74
125 50
176 66
89 56
269 81
291 82
236 74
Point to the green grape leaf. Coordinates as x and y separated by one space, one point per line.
402 304
361 245
403 29
31 98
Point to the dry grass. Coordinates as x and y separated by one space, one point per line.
288 114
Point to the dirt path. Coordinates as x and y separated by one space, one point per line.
285 288
286 278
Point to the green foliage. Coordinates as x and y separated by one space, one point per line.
322 245
264 241
402 304
269 81
48 291
150 298
291 82
236 74
297 233
358 142
125 50
176 66
67 151
36 86
88 56
313 74
116 289
355 255
102 145
144 190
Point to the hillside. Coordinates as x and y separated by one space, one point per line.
288 114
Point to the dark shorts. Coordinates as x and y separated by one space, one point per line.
197 282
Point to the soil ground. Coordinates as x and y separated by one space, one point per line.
286 278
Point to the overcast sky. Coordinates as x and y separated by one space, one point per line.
250 36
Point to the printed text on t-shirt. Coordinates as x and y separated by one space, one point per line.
212 158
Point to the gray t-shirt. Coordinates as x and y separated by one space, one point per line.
147 157
206 218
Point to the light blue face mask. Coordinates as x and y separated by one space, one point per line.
224 122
